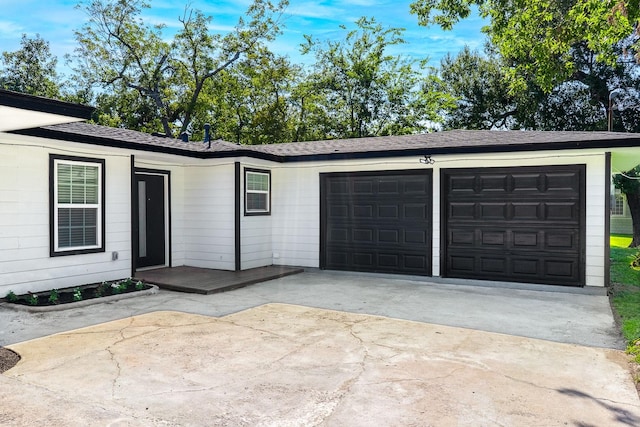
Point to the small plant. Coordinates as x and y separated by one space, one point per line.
11 297
127 282
115 288
32 299
139 285
54 296
634 350
77 294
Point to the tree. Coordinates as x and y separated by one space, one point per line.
539 35
477 83
484 101
120 53
31 69
366 90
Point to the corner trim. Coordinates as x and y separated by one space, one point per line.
238 213
134 217
607 219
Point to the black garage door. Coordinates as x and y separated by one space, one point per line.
521 224
376 221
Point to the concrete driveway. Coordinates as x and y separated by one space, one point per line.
507 357
284 365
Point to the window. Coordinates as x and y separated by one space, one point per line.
617 203
257 200
76 205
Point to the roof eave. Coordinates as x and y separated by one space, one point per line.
44 105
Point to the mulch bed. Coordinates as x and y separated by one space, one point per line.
78 293
8 359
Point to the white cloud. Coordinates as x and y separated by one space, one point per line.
314 10
10 29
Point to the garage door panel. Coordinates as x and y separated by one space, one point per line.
515 268
416 187
493 211
377 221
562 211
519 239
563 182
527 182
495 184
517 224
527 211
462 211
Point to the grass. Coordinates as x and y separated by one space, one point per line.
625 291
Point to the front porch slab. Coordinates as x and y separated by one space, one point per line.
207 281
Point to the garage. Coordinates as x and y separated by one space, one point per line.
376 221
524 224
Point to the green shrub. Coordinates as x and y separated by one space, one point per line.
54 296
11 297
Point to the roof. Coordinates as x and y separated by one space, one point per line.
20 110
447 142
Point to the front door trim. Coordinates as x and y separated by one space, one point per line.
135 209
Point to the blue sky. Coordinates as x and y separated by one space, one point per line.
55 21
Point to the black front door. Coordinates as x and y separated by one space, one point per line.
151 220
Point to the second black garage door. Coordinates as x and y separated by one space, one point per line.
376 221
524 224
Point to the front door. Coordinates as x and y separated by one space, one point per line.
151 220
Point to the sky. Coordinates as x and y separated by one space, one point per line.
56 20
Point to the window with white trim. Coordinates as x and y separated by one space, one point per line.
617 203
257 199
77 205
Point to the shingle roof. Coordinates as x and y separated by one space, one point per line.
452 141
456 141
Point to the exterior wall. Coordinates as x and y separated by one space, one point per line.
209 214
256 230
621 225
296 201
25 264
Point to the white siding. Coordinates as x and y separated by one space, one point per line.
25 264
296 201
256 230
209 212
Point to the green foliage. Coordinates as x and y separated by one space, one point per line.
621 271
365 90
31 69
125 57
625 286
139 285
32 299
54 296
539 35
634 348
77 294
480 84
253 102
11 297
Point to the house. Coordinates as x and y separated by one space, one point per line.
621 222
82 203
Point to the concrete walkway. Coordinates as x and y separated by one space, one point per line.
284 365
